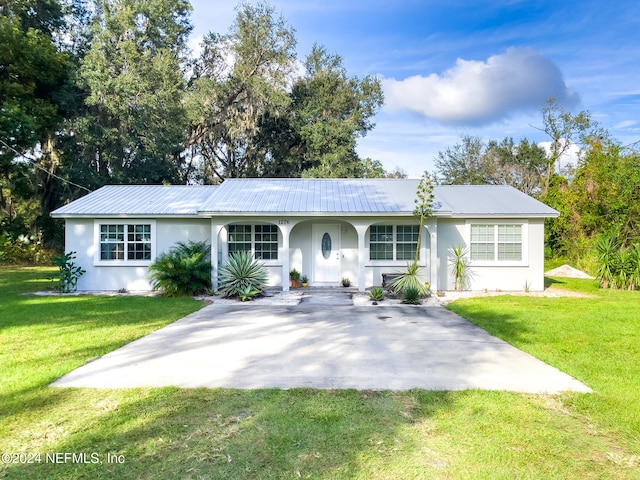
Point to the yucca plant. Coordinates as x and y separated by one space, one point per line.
460 267
608 261
410 279
184 270
411 296
241 274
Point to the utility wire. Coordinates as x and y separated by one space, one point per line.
35 164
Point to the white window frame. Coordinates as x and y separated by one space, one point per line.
394 232
523 262
123 263
253 240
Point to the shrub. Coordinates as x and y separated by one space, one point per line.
184 270
242 274
411 296
24 249
409 279
460 267
376 294
617 267
68 273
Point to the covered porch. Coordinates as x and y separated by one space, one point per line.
326 249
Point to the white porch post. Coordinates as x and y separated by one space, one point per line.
285 255
215 235
362 256
432 229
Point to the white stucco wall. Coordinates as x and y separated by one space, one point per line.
454 232
80 237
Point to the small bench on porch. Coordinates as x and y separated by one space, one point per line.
388 278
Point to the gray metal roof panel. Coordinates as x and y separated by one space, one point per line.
313 196
303 196
130 200
488 200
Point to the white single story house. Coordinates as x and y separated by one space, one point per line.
327 229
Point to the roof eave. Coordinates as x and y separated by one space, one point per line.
124 215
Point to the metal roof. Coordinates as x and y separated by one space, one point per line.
117 200
259 196
490 200
279 195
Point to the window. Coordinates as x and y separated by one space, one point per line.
262 240
510 242
383 247
125 242
407 239
266 242
381 242
482 242
502 243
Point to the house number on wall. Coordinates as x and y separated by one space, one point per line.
283 221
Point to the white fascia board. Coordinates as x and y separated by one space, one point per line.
125 216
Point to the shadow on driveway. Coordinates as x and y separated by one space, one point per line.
326 347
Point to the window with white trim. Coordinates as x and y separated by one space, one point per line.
496 242
125 242
393 242
406 241
260 240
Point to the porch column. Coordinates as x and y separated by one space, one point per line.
432 229
362 256
215 234
286 256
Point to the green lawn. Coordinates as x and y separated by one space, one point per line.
234 434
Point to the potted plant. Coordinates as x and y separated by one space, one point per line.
346 282
304 280
294 275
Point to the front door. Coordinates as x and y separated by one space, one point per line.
326 254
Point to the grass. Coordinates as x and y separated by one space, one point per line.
303 433
596 339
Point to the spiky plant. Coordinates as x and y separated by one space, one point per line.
184 270
459 267
377 294
411 296
410 279
635 255
241 273
608 260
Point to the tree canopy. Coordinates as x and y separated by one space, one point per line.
475 162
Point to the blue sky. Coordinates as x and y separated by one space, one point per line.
455 67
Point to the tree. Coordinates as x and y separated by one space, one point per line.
135 119
521 166
495 163
603 198
462 163
34 77
240 81
330 110
564 130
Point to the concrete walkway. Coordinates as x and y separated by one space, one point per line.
322 346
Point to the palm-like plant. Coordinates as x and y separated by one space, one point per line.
184 270
460 267
410 279
240 274
608 260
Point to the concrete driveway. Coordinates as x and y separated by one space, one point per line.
322 346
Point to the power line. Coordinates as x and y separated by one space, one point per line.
33 162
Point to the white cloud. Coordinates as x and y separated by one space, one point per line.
571 157
476 93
